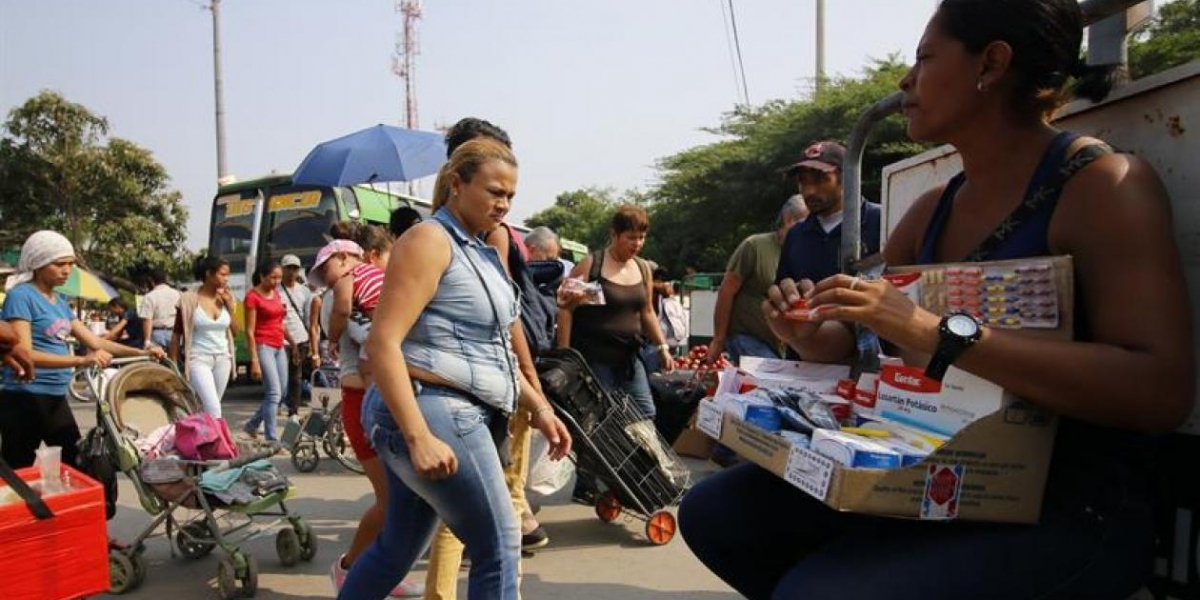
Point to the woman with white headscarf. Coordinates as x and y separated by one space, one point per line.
35 410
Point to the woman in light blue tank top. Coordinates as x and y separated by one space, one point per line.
446 380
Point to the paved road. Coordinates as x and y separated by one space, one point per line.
586 560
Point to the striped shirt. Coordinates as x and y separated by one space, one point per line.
368 286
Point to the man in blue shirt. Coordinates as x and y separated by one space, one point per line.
812 249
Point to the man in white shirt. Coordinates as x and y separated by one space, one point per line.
297 299
157 310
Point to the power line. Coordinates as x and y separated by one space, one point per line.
737 82
738 44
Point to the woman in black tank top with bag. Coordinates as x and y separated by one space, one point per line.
987 77
611 335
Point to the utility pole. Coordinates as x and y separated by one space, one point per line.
820 70
404 60
404 65
218 90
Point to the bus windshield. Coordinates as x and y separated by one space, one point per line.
232 228
296 221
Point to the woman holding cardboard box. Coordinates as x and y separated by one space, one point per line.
987 76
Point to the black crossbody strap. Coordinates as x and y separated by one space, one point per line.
300 313
1047 192
36 505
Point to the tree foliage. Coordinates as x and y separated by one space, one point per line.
583 215
713 196
60 170
1171 40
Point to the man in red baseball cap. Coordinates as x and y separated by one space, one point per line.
812 249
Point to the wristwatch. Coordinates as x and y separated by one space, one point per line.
957 332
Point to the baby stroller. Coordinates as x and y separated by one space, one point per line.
614 442
137 408
322 424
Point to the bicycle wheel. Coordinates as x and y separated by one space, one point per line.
337 441
79 389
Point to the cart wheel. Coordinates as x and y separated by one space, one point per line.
122 575
194 540
287 546
308 540
139 569
233 585
608 507
305 457
660 528
338 444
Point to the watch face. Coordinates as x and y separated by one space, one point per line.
962 325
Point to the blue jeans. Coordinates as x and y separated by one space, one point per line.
769 540
744 344
637 385
274 364
160 337
474 502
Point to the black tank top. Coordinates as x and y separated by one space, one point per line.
1025 234
611 333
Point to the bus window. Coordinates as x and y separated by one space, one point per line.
233 227
297 220
350 203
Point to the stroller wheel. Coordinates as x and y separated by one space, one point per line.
122 576
305 457
139 568
194 540
308 540
608 507
287 546
660 528
234 582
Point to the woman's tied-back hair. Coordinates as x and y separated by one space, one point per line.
369 236
206 264
1045 37
630 217
465 162
264 268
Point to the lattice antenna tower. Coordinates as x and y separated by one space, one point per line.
404 59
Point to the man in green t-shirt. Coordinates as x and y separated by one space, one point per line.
739 327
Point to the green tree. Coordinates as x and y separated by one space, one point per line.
713 196
1171 40
582 215
60 170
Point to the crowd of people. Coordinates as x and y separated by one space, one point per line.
436 323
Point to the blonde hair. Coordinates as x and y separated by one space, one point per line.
465 162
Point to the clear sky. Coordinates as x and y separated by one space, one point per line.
593 93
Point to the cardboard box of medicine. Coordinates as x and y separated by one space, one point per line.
994 467
993 470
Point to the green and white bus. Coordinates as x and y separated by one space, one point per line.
269 217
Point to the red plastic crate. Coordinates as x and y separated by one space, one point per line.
61 558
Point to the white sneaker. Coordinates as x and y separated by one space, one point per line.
404 589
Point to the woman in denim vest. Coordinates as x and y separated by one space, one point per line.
446 381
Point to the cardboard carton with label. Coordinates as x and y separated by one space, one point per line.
994 466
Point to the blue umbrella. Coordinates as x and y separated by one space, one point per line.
380 153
